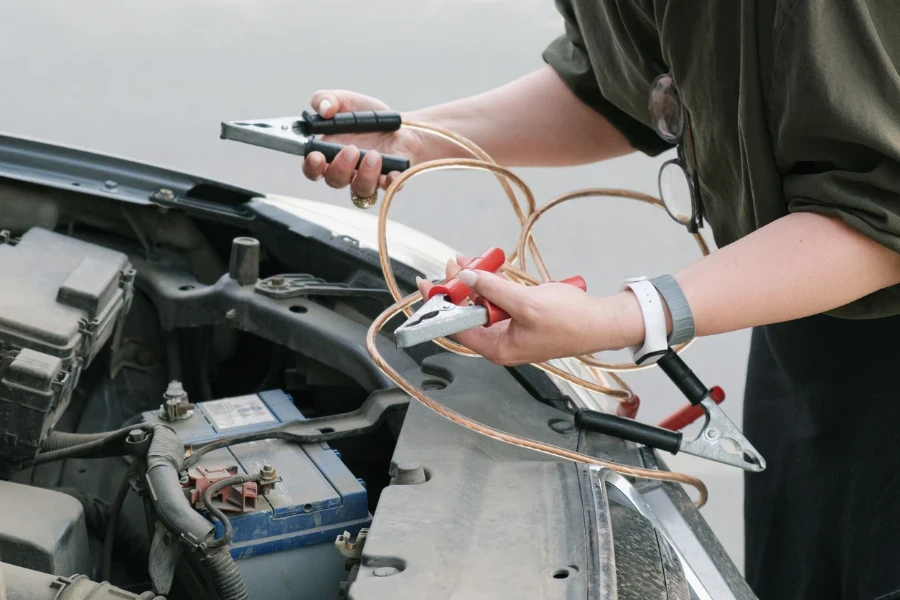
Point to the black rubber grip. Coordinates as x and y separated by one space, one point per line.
682 376
389 163
352 122
628 429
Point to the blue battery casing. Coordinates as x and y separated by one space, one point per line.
318 497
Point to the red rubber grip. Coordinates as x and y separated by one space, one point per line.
497 314
687 415
491 260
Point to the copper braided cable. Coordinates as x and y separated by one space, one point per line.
502 436
528 219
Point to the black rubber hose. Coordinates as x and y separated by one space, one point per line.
165 459
82 445
112 520
223 572
214 510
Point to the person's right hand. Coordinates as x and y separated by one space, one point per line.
342 172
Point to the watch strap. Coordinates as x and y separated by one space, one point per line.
655 340
683 328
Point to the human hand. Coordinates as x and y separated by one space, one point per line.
552 320
342 171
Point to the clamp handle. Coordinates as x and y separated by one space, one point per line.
491 260
389 163
690 413
352 122
683 378
497 314
629 429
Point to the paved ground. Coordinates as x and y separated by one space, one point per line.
152 81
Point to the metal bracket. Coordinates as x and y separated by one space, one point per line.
301 284
352 551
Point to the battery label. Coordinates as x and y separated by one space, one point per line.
238 412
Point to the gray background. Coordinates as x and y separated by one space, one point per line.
152 79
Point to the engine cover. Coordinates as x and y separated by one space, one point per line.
63 298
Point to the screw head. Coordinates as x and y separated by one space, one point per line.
164 194
231 314
110 184
277 281
385 571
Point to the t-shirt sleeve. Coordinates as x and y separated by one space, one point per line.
570 57
836 122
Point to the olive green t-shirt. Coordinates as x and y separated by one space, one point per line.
794 104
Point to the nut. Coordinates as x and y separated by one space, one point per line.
268 472
136 436
277 281
268 477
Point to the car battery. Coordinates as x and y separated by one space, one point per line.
288 536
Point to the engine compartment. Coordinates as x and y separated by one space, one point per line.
158 328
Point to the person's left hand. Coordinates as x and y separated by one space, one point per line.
552 320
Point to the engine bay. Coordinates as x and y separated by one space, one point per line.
101 333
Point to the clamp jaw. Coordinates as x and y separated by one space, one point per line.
296 135
719 439
443 315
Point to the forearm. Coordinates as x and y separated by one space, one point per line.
533 121
800 265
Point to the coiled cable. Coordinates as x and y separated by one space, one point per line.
514 269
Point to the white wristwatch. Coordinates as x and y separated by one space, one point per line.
656 342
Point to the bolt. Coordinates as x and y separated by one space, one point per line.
277 281
164 194
385 572
110 184
231 315
268 472
136 436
